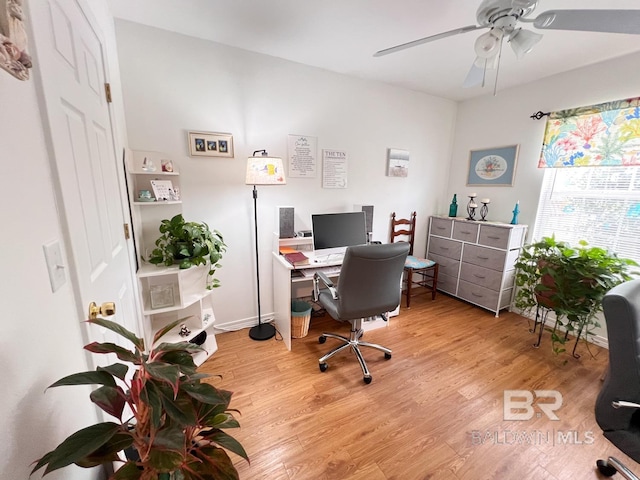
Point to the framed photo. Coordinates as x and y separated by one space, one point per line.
398 163
493 166
210 144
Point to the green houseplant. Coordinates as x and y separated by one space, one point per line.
569 280
189 244
166 414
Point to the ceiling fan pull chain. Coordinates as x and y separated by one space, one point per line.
495 84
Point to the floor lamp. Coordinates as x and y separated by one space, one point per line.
262 170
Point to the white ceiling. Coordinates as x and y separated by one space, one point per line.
342 35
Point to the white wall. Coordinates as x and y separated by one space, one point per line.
504 120
173 84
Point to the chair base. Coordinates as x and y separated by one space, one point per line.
355 343
611 466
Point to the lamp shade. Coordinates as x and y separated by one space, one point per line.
264 170
522 41
488 44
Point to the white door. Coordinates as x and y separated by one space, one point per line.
71 68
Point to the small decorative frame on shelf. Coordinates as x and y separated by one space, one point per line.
493 166
161 296
210 144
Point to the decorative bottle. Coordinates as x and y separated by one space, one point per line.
453 208
516 211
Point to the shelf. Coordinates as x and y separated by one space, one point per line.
166 202
157 172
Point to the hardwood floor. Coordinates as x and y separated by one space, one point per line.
434 411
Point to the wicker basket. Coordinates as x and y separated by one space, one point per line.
300 318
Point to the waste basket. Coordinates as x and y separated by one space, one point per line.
300 318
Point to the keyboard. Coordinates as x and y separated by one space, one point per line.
329 271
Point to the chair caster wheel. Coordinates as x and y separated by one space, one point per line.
322 339
323 366
387 356
605 469
367 380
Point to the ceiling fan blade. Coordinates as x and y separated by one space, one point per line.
609 21
431 38
475 76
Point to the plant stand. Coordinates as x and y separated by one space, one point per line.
542 312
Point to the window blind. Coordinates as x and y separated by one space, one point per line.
598 204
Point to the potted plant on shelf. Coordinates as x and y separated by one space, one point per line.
571 281
189 244
170 418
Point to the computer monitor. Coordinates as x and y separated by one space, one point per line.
334 232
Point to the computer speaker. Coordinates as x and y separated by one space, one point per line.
368 216
285 215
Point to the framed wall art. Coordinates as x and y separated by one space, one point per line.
397 163
493 166
210 144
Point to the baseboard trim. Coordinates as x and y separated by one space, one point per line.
242 323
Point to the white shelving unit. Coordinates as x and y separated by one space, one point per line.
168 293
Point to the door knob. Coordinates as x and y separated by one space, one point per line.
106 309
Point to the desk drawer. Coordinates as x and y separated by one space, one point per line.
441 227
466 231
483 276
446 265
445 247
485 257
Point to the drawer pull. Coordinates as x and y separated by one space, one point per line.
465 232
444 248
492 237
477 295
441 228
479 276
483 258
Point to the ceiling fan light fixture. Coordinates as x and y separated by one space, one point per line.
488 44
522 41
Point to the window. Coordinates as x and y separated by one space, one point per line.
598 204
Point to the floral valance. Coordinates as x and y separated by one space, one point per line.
607 134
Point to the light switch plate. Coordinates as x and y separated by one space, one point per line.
55 265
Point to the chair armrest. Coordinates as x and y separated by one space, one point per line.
624 404
327 282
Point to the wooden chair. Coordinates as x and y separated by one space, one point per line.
419 273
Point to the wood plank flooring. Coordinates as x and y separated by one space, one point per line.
433 411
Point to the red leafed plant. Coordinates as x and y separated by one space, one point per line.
168 419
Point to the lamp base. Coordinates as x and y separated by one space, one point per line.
262 331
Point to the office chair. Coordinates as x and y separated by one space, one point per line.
617 407
418 272
368 286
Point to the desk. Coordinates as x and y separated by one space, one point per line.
286 285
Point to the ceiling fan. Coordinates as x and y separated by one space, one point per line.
503 18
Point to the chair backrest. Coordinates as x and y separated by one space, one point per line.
621 307
403 230
369 282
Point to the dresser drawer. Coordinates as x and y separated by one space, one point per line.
478 295
445 247
447 283
441 226
497 237
485 257
466 231
446 265
491 279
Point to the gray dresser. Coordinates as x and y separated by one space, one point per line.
476 259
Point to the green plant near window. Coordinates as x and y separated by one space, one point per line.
569 280
170 419
189 244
